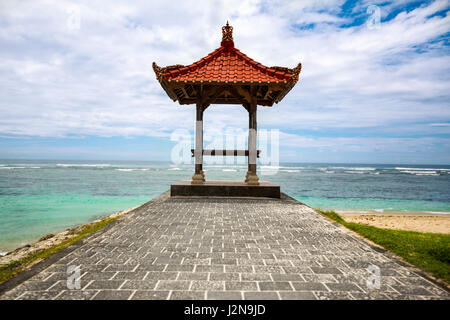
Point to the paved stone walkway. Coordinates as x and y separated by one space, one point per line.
226 249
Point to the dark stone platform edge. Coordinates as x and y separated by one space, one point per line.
189 190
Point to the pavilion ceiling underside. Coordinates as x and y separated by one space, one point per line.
186 93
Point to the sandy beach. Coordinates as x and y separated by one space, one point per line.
411 221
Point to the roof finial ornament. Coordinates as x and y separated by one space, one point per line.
227 36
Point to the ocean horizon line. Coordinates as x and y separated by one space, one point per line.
281 162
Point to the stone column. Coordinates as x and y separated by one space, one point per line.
199 176
251 178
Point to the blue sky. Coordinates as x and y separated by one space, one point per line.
77 83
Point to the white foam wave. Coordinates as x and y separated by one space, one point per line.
82 165
421 173
325 170
134 169
439 212
174 169
359 172
354 168
421 169
229 170
290 170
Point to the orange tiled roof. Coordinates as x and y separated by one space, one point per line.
227 64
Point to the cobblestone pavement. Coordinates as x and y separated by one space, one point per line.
226 249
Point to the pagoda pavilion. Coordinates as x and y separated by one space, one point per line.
226 76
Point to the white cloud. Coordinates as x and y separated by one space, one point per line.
98 80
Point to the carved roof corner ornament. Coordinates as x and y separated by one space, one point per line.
296 72
157 70
160 71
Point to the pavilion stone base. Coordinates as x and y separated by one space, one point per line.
224 188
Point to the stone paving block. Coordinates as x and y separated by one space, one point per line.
208 285
173 285
187 295
121 267
275 285
255 277
370 296
343 287
61 285
184 255
261 295
419 291
215 255
320 278
318 270
196 261
203 268
139 285
76 294
300 270
56 268
322 295
241 286
402 296
287 277
246 269
39 295
104 284
224 261
52 276
228 255
250 262
297 295
224 295
164 260
274 262
229 276
113 295
309 286
33 285
181 267
270 269
127 275
98 275
193 276
12 294
150 267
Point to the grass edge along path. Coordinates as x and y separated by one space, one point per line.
11 269
428 251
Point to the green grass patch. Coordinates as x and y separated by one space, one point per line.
429 251
11 269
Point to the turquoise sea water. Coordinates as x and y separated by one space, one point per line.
40 197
